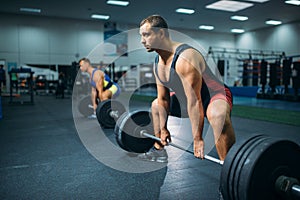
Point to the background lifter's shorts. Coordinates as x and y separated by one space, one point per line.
115 90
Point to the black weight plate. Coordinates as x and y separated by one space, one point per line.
234 170
269 160
105 108
118 108
130 129
118 134
243 159
102 113
83 106
229 167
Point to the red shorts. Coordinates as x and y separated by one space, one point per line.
227 97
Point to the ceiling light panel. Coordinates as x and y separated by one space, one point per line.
118 3
97 16
185 11
33 10
235 30
231 6
293 2
206 27
273 22
239 18
258 1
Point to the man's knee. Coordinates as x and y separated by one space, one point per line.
216 115
219 115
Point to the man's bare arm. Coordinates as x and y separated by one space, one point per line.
192 82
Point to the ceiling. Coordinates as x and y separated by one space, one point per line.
139 9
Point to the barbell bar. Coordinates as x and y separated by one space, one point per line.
296 191
288 187
251 168
207 157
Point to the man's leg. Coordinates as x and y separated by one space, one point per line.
106 95
218 115
109 93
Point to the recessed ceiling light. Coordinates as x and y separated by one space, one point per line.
235 30
239 18
206 27
97 16
258 1
273 22
118 3
293 2
231 6
33 10
185 11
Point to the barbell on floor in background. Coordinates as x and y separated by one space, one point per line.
260 167
108 112
85 106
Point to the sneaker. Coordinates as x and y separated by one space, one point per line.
92 116
155 155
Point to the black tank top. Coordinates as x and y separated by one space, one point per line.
210 83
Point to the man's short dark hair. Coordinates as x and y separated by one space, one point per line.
157 22
85 60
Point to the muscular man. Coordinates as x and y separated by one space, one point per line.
103 87
183 69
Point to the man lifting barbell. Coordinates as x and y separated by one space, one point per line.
103 87
183 69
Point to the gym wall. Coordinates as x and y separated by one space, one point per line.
277 38
41 40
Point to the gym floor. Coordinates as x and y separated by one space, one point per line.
44 157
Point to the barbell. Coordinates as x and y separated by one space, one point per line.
143 133
108 112
85 106
259 167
